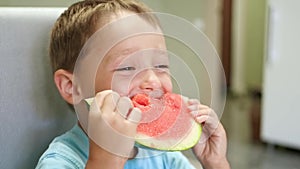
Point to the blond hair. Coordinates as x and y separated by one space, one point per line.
73 28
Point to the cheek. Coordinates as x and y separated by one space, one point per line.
103 81
121 85
166 83
101 85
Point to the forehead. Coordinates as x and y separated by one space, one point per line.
125 34
144 42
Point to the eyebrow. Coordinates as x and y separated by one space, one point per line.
117 56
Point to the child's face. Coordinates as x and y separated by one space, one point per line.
138 64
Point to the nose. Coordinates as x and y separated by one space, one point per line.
150 80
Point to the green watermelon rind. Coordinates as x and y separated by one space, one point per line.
184 143
89 101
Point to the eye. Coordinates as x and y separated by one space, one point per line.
125 69
162 66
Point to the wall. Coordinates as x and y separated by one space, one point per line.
238 46
254 51
248 44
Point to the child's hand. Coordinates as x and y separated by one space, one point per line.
112 127
211 149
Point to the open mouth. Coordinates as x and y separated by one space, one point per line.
154 94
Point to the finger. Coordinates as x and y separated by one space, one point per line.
98 101
197 106
207 115
202 106
123 106
135 115
211 123
194 107
201 119
110 102
194 101
185 99
198 113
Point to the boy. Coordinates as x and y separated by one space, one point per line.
137 64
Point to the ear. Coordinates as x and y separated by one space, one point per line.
64 83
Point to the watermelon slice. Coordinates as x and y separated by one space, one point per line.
166 123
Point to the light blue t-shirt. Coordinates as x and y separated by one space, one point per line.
70 151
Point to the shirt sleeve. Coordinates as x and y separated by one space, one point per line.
68 151
61 156
57 161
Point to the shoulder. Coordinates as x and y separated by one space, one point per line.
69 150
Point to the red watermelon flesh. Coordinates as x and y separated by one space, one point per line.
165 122
160 115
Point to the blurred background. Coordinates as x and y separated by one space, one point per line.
258 42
